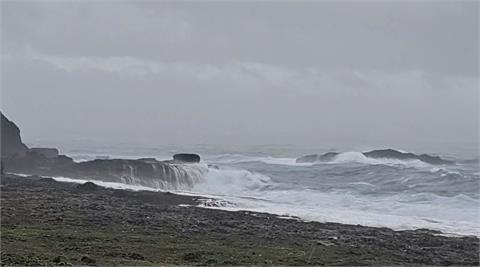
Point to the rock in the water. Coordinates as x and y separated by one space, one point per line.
47 152
382 153
394 154
186 158
329 156
11 141
171 174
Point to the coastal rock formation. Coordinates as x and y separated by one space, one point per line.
47 152
186 158
394 154
11 144
171 174
146 172
376 154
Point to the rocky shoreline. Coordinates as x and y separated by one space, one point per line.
45 222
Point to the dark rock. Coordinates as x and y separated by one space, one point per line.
11 143
88 186
394 154
87 260
35 163
135 256
213 166
59 259
16 157
329 156
47 152
192 256
147 172
186 158
47 180
383 153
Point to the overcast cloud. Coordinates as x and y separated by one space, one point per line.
322 73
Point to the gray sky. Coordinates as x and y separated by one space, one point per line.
321 73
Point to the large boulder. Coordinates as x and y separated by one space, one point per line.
11 143
186 158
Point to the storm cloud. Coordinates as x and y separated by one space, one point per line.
309 73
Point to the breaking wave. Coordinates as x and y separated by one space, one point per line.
341 158
349 188
358 157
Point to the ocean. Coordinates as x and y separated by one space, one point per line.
351 188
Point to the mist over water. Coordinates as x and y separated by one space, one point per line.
353 189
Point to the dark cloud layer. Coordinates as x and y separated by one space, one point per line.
360 73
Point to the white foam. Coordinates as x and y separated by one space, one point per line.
238 158
256 192
106 184
359 157
394 213
246 190
341 158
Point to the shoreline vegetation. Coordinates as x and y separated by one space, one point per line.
45 222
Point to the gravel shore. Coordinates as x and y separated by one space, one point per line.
44 222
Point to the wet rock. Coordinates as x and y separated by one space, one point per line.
328 156
88 261
88 186
308 158
47 180
186 158
382 153
11 142
192 256
47 152
60 260
394 154
135 256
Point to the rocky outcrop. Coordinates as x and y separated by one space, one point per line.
382 153
171 174
146 171
186 158
394 154
47 152
11 143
